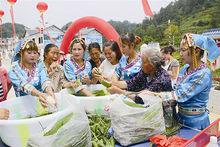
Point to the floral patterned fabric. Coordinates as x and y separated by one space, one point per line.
160 82
24 83
72 71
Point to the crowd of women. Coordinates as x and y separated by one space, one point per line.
123 66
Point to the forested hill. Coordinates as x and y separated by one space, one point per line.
7 30
185 16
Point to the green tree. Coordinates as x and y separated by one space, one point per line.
171 32
7 30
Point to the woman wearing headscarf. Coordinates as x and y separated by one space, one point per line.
194 81
28 76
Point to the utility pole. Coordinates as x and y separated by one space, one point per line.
169 32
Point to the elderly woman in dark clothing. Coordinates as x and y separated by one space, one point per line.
152 76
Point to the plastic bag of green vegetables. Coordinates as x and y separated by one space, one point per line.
70 129
99 126
134 123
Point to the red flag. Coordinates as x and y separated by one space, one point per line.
146 7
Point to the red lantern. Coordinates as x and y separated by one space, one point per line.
1 13
42 7
12 2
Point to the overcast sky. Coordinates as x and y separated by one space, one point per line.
61 12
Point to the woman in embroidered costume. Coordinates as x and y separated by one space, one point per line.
27 75
54 69
194 81
130 63
76 68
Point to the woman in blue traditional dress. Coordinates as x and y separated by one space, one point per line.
130 63
28 76
194 81
76 67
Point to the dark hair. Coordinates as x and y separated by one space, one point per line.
77 40
27 46
47 49
114 47
201 53
94 45
168 49
130 38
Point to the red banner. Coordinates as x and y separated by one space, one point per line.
147 9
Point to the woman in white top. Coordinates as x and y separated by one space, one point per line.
113 55
171 64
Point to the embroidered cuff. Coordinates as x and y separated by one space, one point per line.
46 84
28 88
166 96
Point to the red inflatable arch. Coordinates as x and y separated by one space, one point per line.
89 21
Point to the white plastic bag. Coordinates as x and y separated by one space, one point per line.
94 104
16 131
71 129
133 124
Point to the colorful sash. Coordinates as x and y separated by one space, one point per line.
180 79
78 69
130 64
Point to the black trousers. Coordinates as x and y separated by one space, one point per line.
2 144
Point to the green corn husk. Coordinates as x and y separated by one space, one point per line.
59 124
99 126
131 104
105 83
99 92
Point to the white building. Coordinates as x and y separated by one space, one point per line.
51 34
90 35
